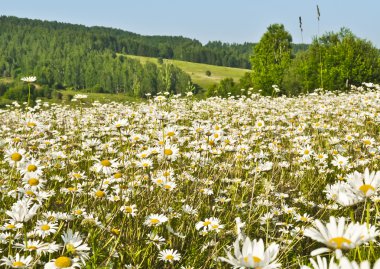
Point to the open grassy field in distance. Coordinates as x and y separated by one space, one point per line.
197 71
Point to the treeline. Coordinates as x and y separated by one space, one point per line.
104 73
63 55
52 36
334 61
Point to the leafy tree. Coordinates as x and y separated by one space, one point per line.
271 57
225 88
345 59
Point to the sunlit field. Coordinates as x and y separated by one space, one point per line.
243 182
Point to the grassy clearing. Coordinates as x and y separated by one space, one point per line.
197 71
177 183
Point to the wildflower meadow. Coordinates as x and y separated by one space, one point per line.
241 182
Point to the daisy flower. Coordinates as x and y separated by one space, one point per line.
169 255
17 261
45 228
170 152
74 245
340 161
34 245
253 255
107 167
15 156
29 79
33 181
342 193
366 184
63 262
130 210
155 220
338 235
31 166
22 210
209 224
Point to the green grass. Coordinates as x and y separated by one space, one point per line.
197 71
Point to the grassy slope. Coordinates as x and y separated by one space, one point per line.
197 71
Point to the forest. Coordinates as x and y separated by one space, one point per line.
94 59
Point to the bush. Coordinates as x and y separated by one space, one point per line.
20 93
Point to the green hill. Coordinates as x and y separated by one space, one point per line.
197 71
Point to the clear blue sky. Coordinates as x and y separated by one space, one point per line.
225 20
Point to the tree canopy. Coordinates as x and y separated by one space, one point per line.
271 58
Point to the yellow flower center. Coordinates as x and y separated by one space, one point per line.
168 152
31 247
45 227
254 258
10 226
31 124
29 192
306 151
339 241
16 157
77 176
18 264
159 181
16 139
167 186
129 209
100 194
31 168
154 221
206 223
71 248
304 219
33 182
170 133
63 262
169 257
106 163
117 175
115 231
367 142
71 189
366 187
78 212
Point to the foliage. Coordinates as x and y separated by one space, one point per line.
225 88
47 35
334 61
271 58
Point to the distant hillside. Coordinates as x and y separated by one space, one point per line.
197 71
66 55
119 41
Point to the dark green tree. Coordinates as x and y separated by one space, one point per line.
271 57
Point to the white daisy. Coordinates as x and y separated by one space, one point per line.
253 255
